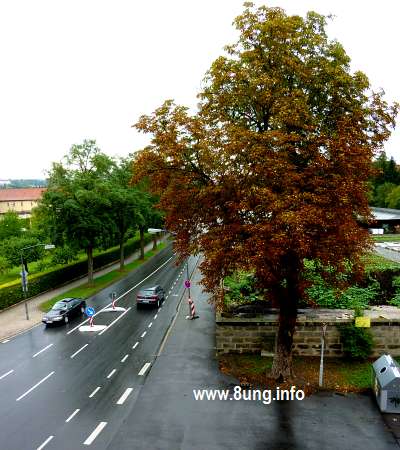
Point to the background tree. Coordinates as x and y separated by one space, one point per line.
273 168
10 225
76 208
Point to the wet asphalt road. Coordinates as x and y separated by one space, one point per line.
57 385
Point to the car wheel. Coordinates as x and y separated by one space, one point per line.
66 319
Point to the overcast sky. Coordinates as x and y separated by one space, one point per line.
76 69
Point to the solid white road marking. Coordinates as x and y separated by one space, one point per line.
111 373
72 415
155 317
43 349
137 343
124 396
8 373
123 295
150 324
33 387
45 442
124 358
144 368
144 334
94 392
5 342
116 320
73 356
95 433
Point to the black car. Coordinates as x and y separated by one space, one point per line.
64 310
154 296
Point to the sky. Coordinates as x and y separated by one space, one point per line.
87 69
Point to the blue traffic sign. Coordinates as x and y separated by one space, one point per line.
89 311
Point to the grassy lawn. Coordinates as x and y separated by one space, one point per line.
85 290
386 237
376 262
340 375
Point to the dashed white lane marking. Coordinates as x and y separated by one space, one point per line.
123 295
111 373
72 415
95 433
94 392
43 349
116 320
73 356
124 396
8 373
169 291
137 343
34 387
124 358
144 368
45 442
5 342
155 317
150 324
144 334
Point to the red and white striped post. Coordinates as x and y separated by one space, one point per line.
91 321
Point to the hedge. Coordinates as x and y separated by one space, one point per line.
11 293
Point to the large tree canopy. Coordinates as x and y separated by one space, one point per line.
273 167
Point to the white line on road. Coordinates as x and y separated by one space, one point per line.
111 373
94 392
150 324
124 358
36 385
95 433
72 415
8 373
155 317
137 343
5 342
73 356
124 396
116 320
144 368
43 349
123 295
45 442
144 334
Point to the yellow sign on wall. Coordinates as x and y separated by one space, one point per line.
364 322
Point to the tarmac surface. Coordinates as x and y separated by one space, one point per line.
162 412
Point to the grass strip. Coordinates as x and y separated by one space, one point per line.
85 290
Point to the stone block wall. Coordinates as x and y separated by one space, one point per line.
253 335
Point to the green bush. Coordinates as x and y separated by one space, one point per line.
240 287
63 255
357 342
11 293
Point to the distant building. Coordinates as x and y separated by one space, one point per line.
385 219
4 182
20 200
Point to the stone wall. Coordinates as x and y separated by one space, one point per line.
257 334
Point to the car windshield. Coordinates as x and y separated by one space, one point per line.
148 291
59 306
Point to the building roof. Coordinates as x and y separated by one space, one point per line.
11 195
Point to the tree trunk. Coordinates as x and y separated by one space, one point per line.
154 241
141 231
89 252
121 254
288 301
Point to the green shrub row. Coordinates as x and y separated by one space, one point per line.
11 293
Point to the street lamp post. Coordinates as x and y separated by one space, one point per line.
24 273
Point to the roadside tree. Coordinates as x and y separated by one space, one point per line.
273 168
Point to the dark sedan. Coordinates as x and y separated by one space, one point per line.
64 310
150 296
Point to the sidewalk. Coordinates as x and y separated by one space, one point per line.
13 320
170 417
